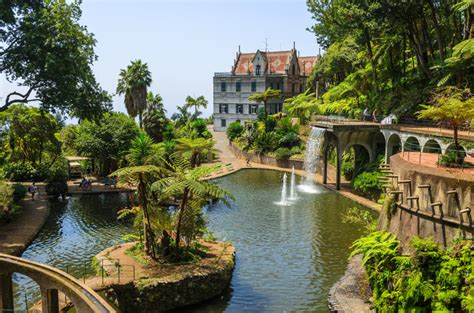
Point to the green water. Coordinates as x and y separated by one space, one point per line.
287 256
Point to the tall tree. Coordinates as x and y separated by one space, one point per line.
154 119
143 170
49 54
106 140
264 97
133 83
29 136
187 183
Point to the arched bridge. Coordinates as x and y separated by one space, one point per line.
370 139
51 281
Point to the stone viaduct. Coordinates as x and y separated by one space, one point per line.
51 281
371 139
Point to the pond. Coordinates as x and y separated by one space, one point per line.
76 230
287 256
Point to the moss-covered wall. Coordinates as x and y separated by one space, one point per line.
159 295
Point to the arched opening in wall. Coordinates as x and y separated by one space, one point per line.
412 145
452 149
379 145
354 159
432 146
26 292
394 145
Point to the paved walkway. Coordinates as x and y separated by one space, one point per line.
431 160
235 164
18 234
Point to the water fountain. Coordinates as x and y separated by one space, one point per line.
283 201
311 159
293 194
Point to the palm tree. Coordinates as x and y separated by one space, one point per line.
451 104
196 103
195 149
143 170
133 83
154 118
155 101
301 106
181 117
264 97
187 183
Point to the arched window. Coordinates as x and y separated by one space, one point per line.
257 70
293 69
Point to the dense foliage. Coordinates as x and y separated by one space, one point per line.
107 140
267 135
9 195
29 142
46 50
431 279
390 55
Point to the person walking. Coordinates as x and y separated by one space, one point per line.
33 190
374 116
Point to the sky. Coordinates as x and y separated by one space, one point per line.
185 41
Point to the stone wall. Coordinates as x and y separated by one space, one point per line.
418 217
266 160
190 285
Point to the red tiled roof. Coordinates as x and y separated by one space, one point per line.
306 64
276 60
244 64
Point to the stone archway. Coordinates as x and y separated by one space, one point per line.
358 155
393 146
452 148
412 144
432 146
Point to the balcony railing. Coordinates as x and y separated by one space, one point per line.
222 74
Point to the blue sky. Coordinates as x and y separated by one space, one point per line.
185 41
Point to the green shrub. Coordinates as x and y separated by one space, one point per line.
264 142
7 208
270 123
19 191
234 130
429 280
282 154
289 140
296 150
369 184
24 171
56 183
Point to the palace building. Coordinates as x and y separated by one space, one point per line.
255 72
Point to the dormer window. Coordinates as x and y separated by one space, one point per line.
257 70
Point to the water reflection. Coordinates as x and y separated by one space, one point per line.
75 231
287 256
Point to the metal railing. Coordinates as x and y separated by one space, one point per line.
431 125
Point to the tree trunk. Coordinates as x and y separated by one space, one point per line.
147 232
456 143
439 36
371 57
140 118
265 108
180 218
